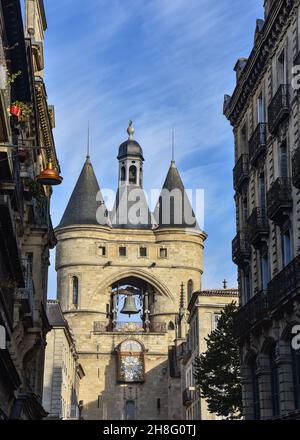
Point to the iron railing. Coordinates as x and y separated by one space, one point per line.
258 226
296 168
285 285
279 199
258 142
188 396
128 327
279 107
241 171
253 312
241 249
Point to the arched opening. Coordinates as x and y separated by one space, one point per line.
274 378
123 173
130 410
132 302
190 289
132 174
171 325
296 376
75 290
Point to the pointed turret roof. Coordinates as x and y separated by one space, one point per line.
83 207
174 209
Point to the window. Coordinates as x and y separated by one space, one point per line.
262 191
265 270
163 253
255 391
274 383
171 326
123 173
243 139
260 109
283 161
286 247
190 289
216 320
143 252
122 251
102 251
296 376
132 174
130 410
75 290
281 69
245 211
247 286
29 265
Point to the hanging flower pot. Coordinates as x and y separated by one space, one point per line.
15 110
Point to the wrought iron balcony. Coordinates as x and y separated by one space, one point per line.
258 226
279 107
26 297
279 200
241 171
252 314
296 168
188 396
241 249
258 142
285 285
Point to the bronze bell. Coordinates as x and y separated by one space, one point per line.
129 306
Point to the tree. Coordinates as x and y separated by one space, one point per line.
217 371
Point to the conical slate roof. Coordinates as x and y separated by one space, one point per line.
83 208
174 207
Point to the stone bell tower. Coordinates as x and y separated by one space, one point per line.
109 267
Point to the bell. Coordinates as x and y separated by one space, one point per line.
49 176
129 306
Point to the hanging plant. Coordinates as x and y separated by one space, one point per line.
34 188
11 77
21 110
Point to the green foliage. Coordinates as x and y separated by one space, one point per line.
217 371
11 77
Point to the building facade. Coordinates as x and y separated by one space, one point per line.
264 113
204 309
26 233
63 372
109 265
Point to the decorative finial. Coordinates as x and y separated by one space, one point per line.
224 284
130 130
173 150
88 142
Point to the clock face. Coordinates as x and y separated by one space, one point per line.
131 368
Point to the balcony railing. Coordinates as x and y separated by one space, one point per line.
26 297
251 314
188 396
285 285
129 327
41 211
258 142
278 108
279 200
296 168
241 171
241 249
258 226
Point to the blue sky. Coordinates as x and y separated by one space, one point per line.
163 64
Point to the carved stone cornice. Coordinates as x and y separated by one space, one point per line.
276 23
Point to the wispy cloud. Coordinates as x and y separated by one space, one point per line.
164 64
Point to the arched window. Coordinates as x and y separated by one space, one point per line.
171 326
75 290
190 288
130 410
123 174
274 382
132 174
255 390
296 376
